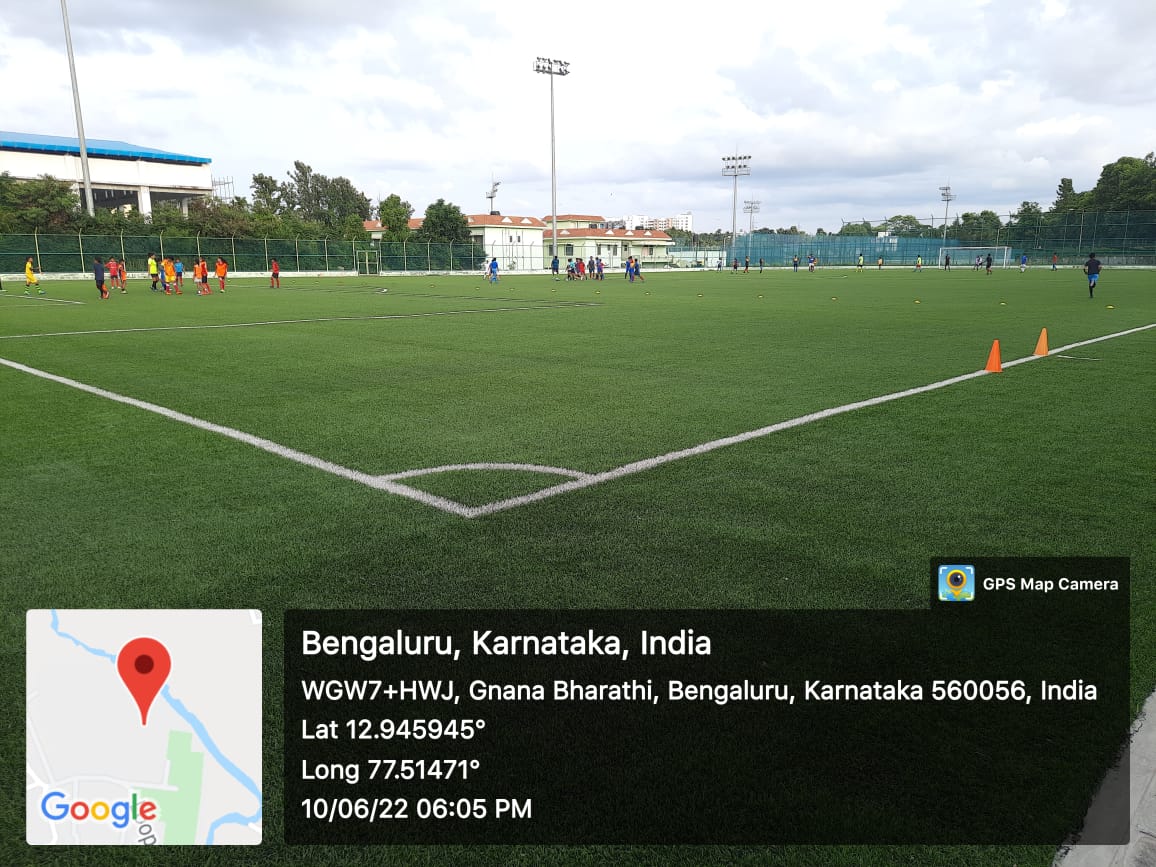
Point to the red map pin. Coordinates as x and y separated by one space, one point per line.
144 666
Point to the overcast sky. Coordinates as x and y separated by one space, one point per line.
849 110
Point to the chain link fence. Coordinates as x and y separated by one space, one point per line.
1123 238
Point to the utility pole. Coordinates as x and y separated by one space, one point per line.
947 196
552 68
750 206
733 166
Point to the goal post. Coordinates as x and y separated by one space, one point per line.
964 257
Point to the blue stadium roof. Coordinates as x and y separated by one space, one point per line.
59 144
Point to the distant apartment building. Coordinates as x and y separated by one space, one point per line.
684 222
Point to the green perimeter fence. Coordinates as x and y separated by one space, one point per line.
73 253
1118 238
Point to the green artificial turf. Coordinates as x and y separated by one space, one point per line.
107 505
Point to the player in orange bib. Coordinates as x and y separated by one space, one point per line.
222 272
170 280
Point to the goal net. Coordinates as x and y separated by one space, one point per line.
964 257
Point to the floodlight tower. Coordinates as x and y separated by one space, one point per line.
750 206
493 193
551 68
76 101
947 196
733 166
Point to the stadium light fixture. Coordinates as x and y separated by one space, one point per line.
750 206
550 67
79 120
947 196
733 166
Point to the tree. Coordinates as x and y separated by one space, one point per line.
394 214
973 229
904 224
45 204
444 222
863 228
268 195
316 198
343 202
1129 184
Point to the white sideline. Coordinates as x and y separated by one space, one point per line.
562 305
389 482
39 298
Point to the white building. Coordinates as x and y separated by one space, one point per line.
121 173
683 222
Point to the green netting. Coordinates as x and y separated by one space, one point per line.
1118 238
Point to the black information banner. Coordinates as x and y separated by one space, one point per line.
988 717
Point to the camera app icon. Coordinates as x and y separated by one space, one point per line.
956 583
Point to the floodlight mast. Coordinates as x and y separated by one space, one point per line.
750 206
550 67
79 120
947 196
733 166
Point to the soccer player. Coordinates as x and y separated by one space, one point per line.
113 269
30 279
880 263
1092 269
947 263
222 273
1055 259
554 266
760 264
859 264
169 277
746 264
154 273
811 262
987 262
638 270
205 290
918 264
98 273
1023 263
600 267
978 262
590 269
580 268
275 275
179 271
795 263
494 270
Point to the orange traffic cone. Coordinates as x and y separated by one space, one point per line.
1042 343
993 363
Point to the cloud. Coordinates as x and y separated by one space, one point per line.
847 115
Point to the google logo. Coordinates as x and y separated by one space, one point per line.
55 806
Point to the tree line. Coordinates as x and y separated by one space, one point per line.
306 204
1128 184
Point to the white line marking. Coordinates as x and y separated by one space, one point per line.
650 463
564 305
1077 357
38 298
450 468
257 442
580 480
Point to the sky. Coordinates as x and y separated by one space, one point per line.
849 111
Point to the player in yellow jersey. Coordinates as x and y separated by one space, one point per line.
30 279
